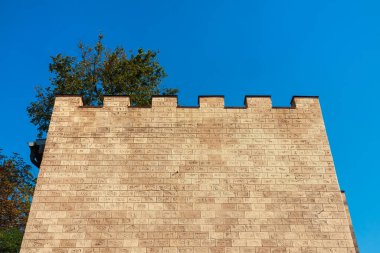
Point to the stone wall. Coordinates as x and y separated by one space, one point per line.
168 179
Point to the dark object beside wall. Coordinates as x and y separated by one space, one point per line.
36 151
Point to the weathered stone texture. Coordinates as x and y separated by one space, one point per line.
177 179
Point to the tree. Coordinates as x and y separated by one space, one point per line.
98 72
17 186
10 240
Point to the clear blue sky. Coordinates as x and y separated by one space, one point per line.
282 48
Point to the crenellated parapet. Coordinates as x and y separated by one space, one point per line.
68 101
215 102
258 101
116 101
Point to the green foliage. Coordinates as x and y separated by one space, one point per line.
10 240
98 72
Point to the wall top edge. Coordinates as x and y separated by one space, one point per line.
204 101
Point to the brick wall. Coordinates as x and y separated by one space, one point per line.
171 179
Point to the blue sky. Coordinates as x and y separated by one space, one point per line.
281 48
